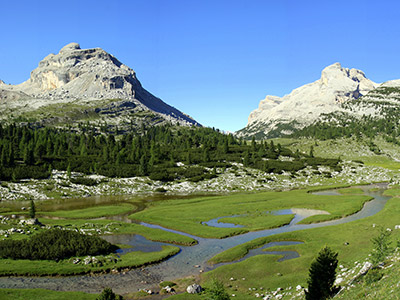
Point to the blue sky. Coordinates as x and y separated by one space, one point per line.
214 60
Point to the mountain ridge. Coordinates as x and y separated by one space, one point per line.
277 116
75 75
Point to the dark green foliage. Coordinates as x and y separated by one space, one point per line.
28 153
108 294
55 244
217 291
322 275
84 181
32 211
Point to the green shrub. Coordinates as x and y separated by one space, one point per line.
55 244
84 180
108 294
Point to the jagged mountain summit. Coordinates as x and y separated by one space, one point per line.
88 84
277 116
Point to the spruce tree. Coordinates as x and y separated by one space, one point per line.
322 275
32 211
69 171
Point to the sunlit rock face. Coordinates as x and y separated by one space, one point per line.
89 74
306 103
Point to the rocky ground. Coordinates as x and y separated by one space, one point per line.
236 178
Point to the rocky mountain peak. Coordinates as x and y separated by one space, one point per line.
336 76
306 103
85 73
70 47
76 74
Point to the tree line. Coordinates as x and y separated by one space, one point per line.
33 152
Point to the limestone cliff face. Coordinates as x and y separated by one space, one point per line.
76 74
88 73
305 104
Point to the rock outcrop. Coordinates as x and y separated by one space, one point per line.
194 289
76 74
305 104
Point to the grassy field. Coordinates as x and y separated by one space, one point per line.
352 241
152 234
101 226
366 287
259 220
28 294
187 215
91 212
135 259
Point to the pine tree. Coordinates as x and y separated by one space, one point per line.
322 275
69 171
143 166
29 158
32 211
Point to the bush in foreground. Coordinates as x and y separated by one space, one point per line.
108 294
217 291
55 244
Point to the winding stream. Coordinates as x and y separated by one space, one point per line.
190 260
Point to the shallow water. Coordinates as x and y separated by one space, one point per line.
190 260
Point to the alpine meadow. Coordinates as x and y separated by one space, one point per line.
109 192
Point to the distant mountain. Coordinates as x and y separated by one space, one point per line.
87 85
305 105
376 113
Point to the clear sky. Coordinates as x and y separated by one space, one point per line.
214 60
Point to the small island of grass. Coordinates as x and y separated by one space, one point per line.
55 244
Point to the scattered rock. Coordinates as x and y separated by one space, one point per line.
338 280
365 268
194 289
33 221
168 289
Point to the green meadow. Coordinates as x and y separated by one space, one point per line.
42 294
91 212
187 215
351 240
251 210
68 219
9 267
